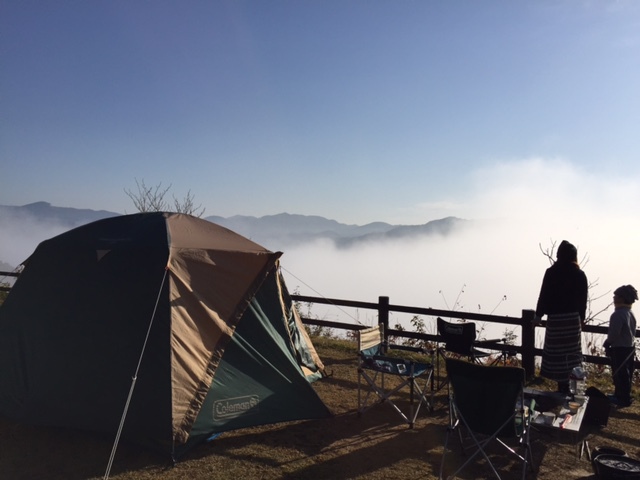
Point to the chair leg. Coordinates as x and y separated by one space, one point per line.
421 394
411 391
439 384
504 355
359 389
480 445
444 452
418 394
363 403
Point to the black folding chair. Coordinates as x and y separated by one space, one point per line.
460 341
375 365
487 407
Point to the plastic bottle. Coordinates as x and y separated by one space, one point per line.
578 381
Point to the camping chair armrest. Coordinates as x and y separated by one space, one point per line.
412 349
493 341
497 344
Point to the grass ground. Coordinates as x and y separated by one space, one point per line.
346 446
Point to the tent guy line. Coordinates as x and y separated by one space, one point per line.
134 379
322 296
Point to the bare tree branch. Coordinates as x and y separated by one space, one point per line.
549 251
187 205
152 199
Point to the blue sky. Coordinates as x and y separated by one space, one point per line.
353 110
523 114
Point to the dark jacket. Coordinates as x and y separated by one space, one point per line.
564 290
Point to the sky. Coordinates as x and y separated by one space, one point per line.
521 114
358 111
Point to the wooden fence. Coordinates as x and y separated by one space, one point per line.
4 288
526 349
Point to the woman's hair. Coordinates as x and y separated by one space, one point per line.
567 252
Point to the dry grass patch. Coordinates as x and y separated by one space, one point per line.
374 446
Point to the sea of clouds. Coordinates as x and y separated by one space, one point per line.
523 209
520 209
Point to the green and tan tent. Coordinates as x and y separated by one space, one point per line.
177 325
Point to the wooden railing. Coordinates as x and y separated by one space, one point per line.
7 274
526 349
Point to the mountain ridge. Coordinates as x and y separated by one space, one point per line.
65 216
276 232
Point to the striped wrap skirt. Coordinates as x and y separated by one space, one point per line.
562 346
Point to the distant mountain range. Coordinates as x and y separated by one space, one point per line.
284 229
45 213
276 232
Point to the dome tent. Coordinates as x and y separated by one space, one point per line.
197 313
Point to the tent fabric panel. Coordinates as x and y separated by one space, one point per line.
209 293
77 359
307 355
140 230
186 231
196 339
282 314
220 280
258 380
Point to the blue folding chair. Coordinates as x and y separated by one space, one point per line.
375 365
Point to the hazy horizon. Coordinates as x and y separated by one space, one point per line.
494 266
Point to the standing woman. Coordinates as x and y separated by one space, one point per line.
563 298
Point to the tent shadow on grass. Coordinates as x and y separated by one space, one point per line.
342 447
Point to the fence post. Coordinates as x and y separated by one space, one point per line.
528 342
383 316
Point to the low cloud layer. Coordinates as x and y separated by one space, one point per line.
21 234
496 266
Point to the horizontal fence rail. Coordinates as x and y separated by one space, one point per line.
526 349
5 288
